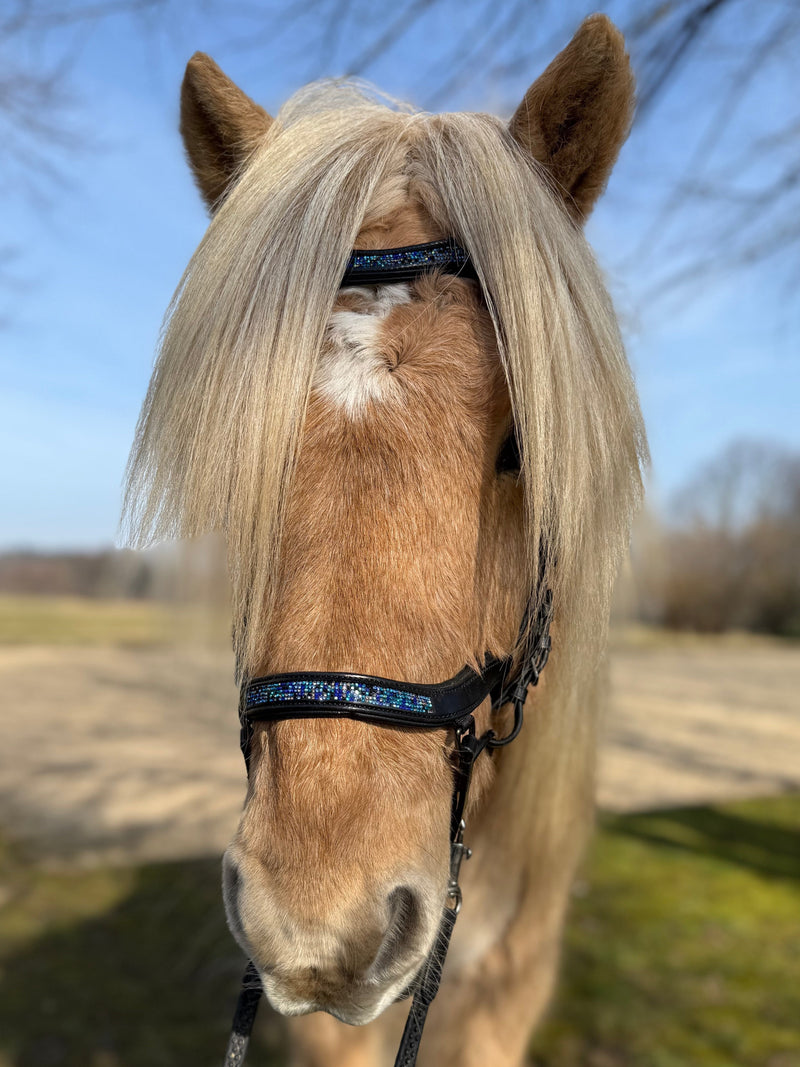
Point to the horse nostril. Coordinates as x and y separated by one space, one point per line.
402 936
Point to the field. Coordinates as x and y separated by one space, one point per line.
121 780
70 621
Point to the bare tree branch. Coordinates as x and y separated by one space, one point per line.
742 201
668 51
472 56
390 36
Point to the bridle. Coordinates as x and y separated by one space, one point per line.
411 705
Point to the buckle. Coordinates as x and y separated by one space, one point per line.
458 853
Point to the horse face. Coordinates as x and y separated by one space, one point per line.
337 877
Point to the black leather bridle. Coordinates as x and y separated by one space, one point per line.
385 702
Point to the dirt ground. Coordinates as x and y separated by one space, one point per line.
131 754
700 720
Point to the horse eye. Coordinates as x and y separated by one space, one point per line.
509 460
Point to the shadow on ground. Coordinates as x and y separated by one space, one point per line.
681 948
149 981
682 943
734 837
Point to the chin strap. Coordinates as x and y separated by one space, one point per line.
274 704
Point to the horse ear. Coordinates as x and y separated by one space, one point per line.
575 117
220 126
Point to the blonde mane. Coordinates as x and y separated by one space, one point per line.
220 429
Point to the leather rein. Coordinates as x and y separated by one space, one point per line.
411 705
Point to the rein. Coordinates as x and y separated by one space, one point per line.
389 703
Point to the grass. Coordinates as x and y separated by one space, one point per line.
118 968
57 620
64 620
645 638
682 951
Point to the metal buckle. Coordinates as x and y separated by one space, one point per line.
458 853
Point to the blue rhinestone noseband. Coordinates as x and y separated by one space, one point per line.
369 698
305 692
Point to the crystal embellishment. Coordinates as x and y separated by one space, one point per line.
316 691
397 264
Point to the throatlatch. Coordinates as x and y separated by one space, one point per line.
386 702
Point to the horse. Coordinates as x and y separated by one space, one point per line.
399 472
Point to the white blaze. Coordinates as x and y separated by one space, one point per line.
352 370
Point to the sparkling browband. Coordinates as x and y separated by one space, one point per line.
375 266
303 692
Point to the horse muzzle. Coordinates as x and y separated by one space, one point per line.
351 962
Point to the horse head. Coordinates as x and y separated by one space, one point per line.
397 468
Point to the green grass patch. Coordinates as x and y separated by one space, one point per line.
45 620
683 946
682 951
119 968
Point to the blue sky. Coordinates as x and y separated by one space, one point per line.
98 263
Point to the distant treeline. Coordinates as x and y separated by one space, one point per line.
107 573
728 556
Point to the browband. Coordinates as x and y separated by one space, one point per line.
380 266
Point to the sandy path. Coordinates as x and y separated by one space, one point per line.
124 754
130 754
692 723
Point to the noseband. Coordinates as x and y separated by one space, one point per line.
409 705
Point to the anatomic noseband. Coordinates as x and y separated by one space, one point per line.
410 705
